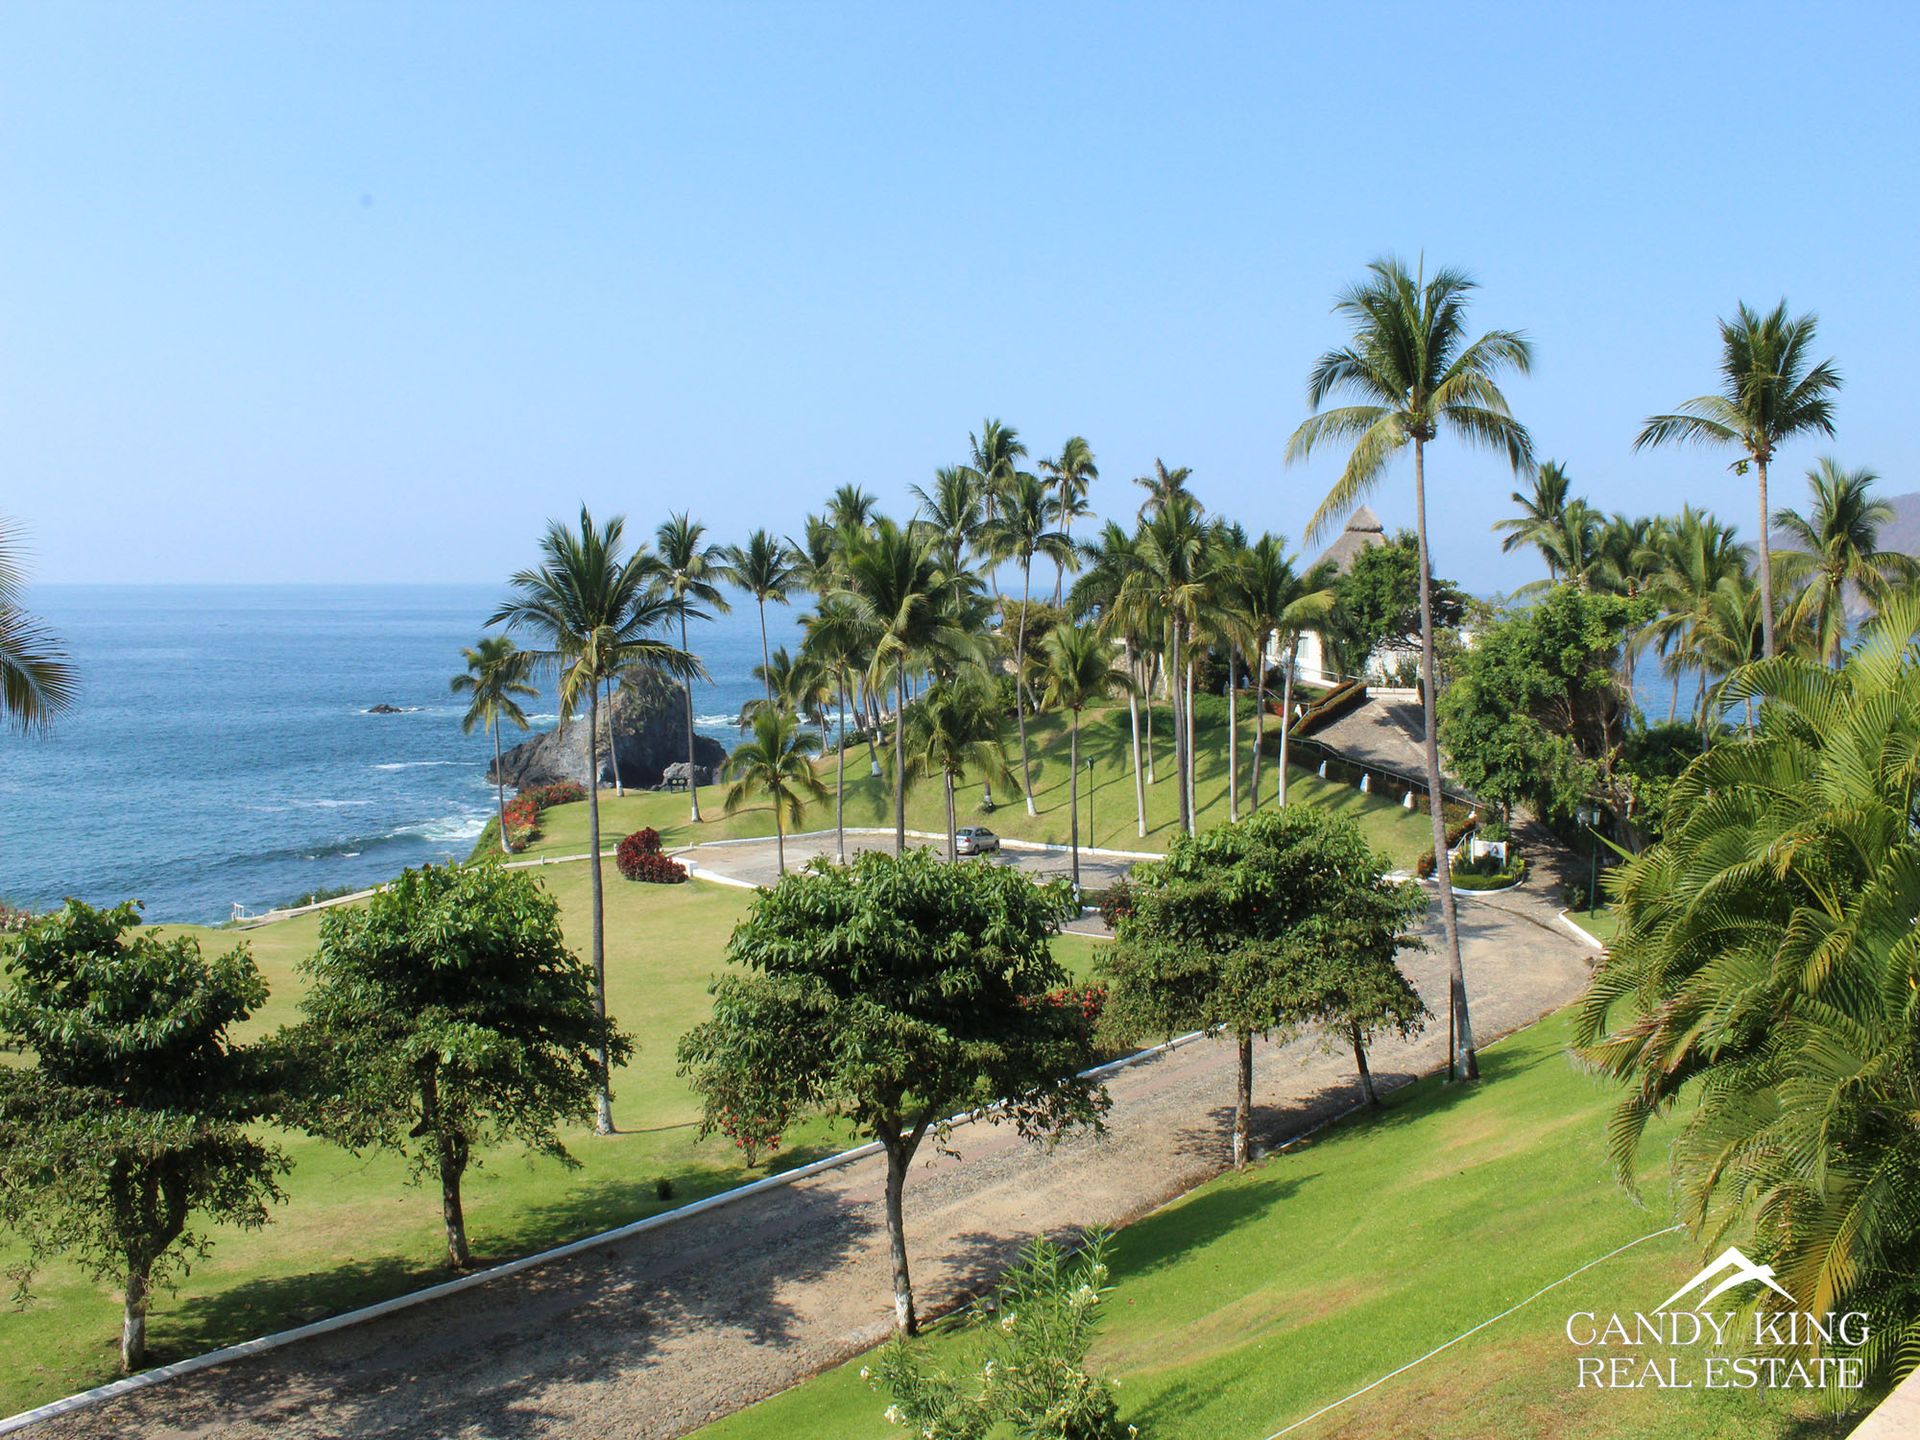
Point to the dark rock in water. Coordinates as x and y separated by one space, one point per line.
648 725
384 709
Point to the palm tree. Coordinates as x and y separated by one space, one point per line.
688 568
1685 560
1415 373
994 455
1769 393
1163 486
954 511
593 612
1540 513
777 763
1171 585
839 636
37 681
955 727
1760 988
496 678
1109 589
1072 472
1022 530
1079 672
894 578
851 508
1283 605
1838 553
763 567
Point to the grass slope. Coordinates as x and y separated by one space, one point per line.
354 1231
1259 1298
1104 738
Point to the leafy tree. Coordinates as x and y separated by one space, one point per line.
763 567
1770 392
447 1014
1762 986
1377 601
777 763
895 992
496 678
1031 1373
953 729
1536 711
1839 556
594 609
689 568
1244 927
37 681
131 1123
1651 760
1361 994
1079 672
1414 373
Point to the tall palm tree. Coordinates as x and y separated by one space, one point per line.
1284 605
777 763
1769 393
840 637
1163 486
954 728
851 508
1685 560
1415 374
994 455
1540 513
897 582
37 681
1079 672
763 567
954 510
1072 473
1171 584
1838 553
1023 529
689 569
593 612
1110 590
1761 986
496 678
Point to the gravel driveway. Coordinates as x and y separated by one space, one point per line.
654 1335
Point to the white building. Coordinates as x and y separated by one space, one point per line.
1316 667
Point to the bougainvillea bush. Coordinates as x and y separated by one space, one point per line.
523 822
560 792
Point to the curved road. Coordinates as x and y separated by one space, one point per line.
654 1335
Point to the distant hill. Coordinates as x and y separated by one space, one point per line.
1903 534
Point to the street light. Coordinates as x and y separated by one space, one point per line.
1589 817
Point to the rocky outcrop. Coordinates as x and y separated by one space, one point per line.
648 724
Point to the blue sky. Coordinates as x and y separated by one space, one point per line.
366 292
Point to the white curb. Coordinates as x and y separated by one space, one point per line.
1581 931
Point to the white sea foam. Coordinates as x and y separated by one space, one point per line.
416 764
446 829
717 722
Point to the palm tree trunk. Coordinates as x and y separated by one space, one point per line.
1259 723
1073 790
499 787
1193 819
779 831
1179 766
1233 733
613 742
1766 564
1133 716
900 758
1286 721
840 777
1462 1063
1673 703
693 786
603 1122
1147 706
766 664
872 726
1243 1102
1020 681
953 824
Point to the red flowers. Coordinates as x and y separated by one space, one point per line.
1089 1000
639 858
523 811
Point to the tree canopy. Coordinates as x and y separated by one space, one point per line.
1377 601
130 1126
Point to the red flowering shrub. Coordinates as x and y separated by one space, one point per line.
637 847
1089 1000
523 822
561 792
1116 903
750 1134
653 869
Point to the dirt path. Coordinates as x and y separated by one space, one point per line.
654 1335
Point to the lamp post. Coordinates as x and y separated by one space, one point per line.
1590 817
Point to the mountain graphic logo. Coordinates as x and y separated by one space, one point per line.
1736 1269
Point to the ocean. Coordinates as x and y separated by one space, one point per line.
220 753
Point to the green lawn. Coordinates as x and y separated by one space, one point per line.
1400 834
1257 1299
354 1231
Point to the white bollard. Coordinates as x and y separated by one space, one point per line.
1366 782
1407 804
1323 769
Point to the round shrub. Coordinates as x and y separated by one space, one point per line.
638 846
652 869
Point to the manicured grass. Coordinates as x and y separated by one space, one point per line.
354 1231
1104 738
1259 1298
1602 923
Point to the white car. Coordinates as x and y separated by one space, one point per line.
975 840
